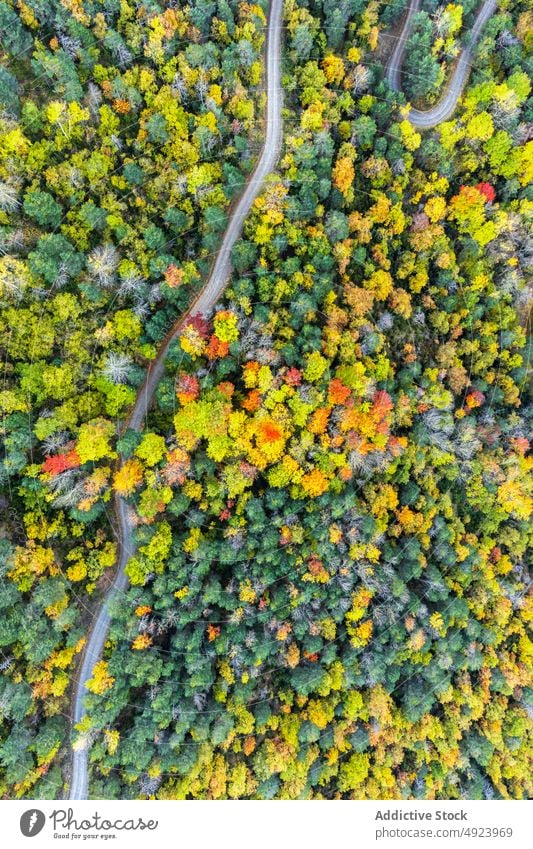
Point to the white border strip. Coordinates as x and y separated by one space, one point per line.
267 825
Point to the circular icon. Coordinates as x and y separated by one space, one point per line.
32 822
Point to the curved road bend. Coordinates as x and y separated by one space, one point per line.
426 119
203 304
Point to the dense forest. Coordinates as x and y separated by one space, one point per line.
333 490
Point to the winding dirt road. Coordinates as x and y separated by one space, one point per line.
203 304
426 119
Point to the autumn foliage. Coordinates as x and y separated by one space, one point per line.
330 488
